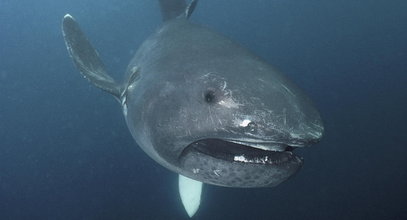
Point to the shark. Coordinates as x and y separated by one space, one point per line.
203 106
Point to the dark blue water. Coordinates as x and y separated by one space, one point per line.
65 152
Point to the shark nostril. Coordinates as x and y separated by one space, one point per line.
252 126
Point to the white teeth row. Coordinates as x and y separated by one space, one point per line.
258 160
243 159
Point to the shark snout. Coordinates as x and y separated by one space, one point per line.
303 134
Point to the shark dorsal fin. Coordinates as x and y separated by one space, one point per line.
171 9
190 8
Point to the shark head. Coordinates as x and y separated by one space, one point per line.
237 131
224 118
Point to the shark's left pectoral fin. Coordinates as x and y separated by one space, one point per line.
86 58
190 191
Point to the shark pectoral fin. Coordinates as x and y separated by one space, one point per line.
86 58
190 191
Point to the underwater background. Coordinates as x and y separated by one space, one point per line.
66 153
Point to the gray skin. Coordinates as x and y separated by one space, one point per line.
206 108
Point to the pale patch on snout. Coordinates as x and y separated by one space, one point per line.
245 123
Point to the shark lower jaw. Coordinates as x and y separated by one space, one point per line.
239 164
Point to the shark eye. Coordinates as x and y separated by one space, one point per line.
210 96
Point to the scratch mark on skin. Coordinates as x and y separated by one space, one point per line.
287 89
224 85
206 75
262 80
210 116
220 122
188 133
195 170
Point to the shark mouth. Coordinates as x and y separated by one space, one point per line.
236 163
243 152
